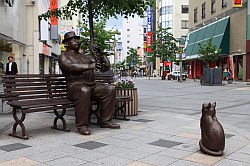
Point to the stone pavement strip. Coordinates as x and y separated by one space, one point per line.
153 138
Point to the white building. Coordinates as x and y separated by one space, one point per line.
132 34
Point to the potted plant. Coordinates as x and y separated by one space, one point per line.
209 53
126 86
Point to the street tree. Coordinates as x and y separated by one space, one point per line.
208 52
165 45
102 35
133 58
95 10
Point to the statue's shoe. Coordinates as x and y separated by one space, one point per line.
84 130
110 125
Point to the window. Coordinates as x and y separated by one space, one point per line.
166 24
224 3
166 10
195 15
203 10
128 29
128 41
212 6
184 8
128 47
184 24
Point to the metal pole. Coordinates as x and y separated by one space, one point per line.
180 67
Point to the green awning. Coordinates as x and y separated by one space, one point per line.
218 31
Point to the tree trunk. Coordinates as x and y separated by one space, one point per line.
91 23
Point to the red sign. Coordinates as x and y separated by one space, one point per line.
167 63
53 6
237 3
149 41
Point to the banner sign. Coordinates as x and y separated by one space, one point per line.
149 41
54 21
53 5
149 29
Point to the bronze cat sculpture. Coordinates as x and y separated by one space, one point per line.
212 134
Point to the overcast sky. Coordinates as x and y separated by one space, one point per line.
114 23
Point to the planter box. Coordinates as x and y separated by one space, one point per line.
131 106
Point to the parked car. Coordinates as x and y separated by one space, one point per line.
176 74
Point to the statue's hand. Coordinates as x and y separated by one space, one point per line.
92 66
98 65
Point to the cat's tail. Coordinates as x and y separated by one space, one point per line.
210 152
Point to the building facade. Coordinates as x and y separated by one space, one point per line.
12 33
226 24
33 43
175 15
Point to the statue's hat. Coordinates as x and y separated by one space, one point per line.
69 35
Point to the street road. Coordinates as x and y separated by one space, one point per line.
232 100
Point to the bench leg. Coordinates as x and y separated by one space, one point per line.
121 108
20 123
96 113
60 116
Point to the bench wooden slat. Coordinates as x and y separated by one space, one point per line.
36 93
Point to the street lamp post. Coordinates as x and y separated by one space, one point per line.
180 67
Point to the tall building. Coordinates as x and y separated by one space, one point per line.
175 15
225 21
132 34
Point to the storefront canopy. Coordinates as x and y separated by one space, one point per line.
219 31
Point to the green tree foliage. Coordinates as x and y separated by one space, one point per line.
208 52
99 9
102 36
133 58
165 44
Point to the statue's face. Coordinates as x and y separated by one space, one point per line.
74 44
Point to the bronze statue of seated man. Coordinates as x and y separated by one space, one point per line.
79 70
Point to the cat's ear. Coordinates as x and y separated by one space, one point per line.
214 104
209 105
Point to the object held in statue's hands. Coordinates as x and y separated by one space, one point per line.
102 62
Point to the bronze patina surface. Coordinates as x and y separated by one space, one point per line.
79 70
212 134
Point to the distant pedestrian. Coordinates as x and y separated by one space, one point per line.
11 66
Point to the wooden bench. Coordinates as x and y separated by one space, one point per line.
36 93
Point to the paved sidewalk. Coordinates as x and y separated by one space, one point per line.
165 132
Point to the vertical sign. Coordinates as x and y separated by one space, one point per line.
54 20
149 29
53 6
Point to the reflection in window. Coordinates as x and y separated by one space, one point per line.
212 6
203 10
224 3
184 8
184 24
166 10
195 14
